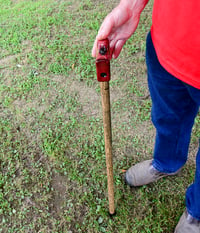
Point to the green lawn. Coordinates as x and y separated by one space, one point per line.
53 172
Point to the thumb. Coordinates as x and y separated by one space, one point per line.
104 32
106 28
94 49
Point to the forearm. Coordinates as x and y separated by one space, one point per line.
133 5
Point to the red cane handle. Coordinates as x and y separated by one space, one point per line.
103 61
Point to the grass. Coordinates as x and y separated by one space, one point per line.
53 176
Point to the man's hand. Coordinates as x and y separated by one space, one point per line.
119 25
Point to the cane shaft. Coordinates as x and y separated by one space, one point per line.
105 94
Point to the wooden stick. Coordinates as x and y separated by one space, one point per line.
105 94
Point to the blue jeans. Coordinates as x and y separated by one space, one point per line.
175 105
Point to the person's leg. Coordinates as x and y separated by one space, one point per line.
174 107
173 114
190 220
193 191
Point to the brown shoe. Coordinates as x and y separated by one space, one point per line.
187 224
143 173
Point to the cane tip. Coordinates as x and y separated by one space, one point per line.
112 214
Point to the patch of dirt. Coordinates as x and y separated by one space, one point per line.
59 184
6 62
88 97
12 65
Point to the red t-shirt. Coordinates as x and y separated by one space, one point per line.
176 37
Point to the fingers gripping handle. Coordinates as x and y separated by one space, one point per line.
103 61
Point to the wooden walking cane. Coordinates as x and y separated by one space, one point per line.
103 76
